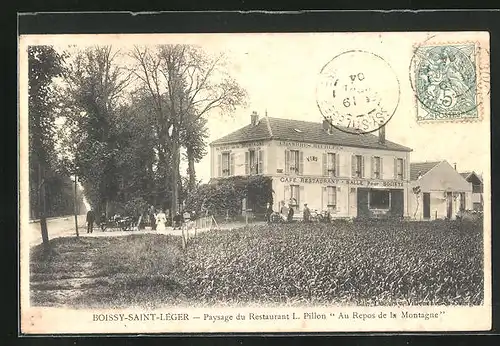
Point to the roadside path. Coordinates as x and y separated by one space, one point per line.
65 227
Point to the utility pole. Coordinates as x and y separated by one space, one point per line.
42 208
76 212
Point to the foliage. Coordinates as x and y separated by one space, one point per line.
136 206
377 264
122 129
184 85
225 195
96 127
47 180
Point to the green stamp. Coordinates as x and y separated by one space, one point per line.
445 82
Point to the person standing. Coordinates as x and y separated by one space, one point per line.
269 212
102 222
161 219
90 221
284 211
152 218
177 221
307 213
290 213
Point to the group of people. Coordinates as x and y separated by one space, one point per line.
287 213
159 220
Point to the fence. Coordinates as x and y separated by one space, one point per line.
191 228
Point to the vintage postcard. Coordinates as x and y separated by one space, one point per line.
285 182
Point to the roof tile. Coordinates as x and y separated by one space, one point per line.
422 168
305 131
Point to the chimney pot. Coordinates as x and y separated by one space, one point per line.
455 166
381 134
254 117
326 125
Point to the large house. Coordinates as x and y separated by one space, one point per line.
351 175
440 191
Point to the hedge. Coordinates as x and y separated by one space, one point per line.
224 196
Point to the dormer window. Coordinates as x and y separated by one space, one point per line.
297 130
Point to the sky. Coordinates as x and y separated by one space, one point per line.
280 73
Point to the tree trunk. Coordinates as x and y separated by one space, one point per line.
191 170
42 208
175 178
76 210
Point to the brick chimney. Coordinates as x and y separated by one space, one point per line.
381 134
326 125
254 117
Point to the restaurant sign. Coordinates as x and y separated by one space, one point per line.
337 181
239 145
308 145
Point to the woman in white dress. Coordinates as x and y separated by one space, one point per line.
161 219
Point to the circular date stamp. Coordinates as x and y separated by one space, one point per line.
357 92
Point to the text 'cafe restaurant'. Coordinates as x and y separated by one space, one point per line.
350 175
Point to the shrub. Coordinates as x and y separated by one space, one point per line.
225 195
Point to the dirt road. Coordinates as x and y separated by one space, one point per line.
57 227
65 227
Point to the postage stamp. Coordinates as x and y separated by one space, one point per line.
445 82
357 92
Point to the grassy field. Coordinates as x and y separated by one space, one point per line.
377 263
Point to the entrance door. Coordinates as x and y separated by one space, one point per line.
449 204
427 205
352 202
363 210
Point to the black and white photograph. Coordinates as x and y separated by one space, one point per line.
257 182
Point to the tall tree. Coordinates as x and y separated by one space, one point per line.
44 64
185 85
96 84
194 138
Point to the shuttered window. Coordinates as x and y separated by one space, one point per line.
252 161
294 162
260 162
331 197
225 164
330 165
358 166
376 167
399 169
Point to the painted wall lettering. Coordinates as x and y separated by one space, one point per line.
333 181
308 145
240 145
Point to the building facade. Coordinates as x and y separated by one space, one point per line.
440 191
349 175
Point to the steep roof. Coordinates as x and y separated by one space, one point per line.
305 131
465 174
417 168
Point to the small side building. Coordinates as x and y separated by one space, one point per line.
438 191
477 189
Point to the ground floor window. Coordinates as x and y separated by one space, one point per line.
332 197
295 196
379 199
